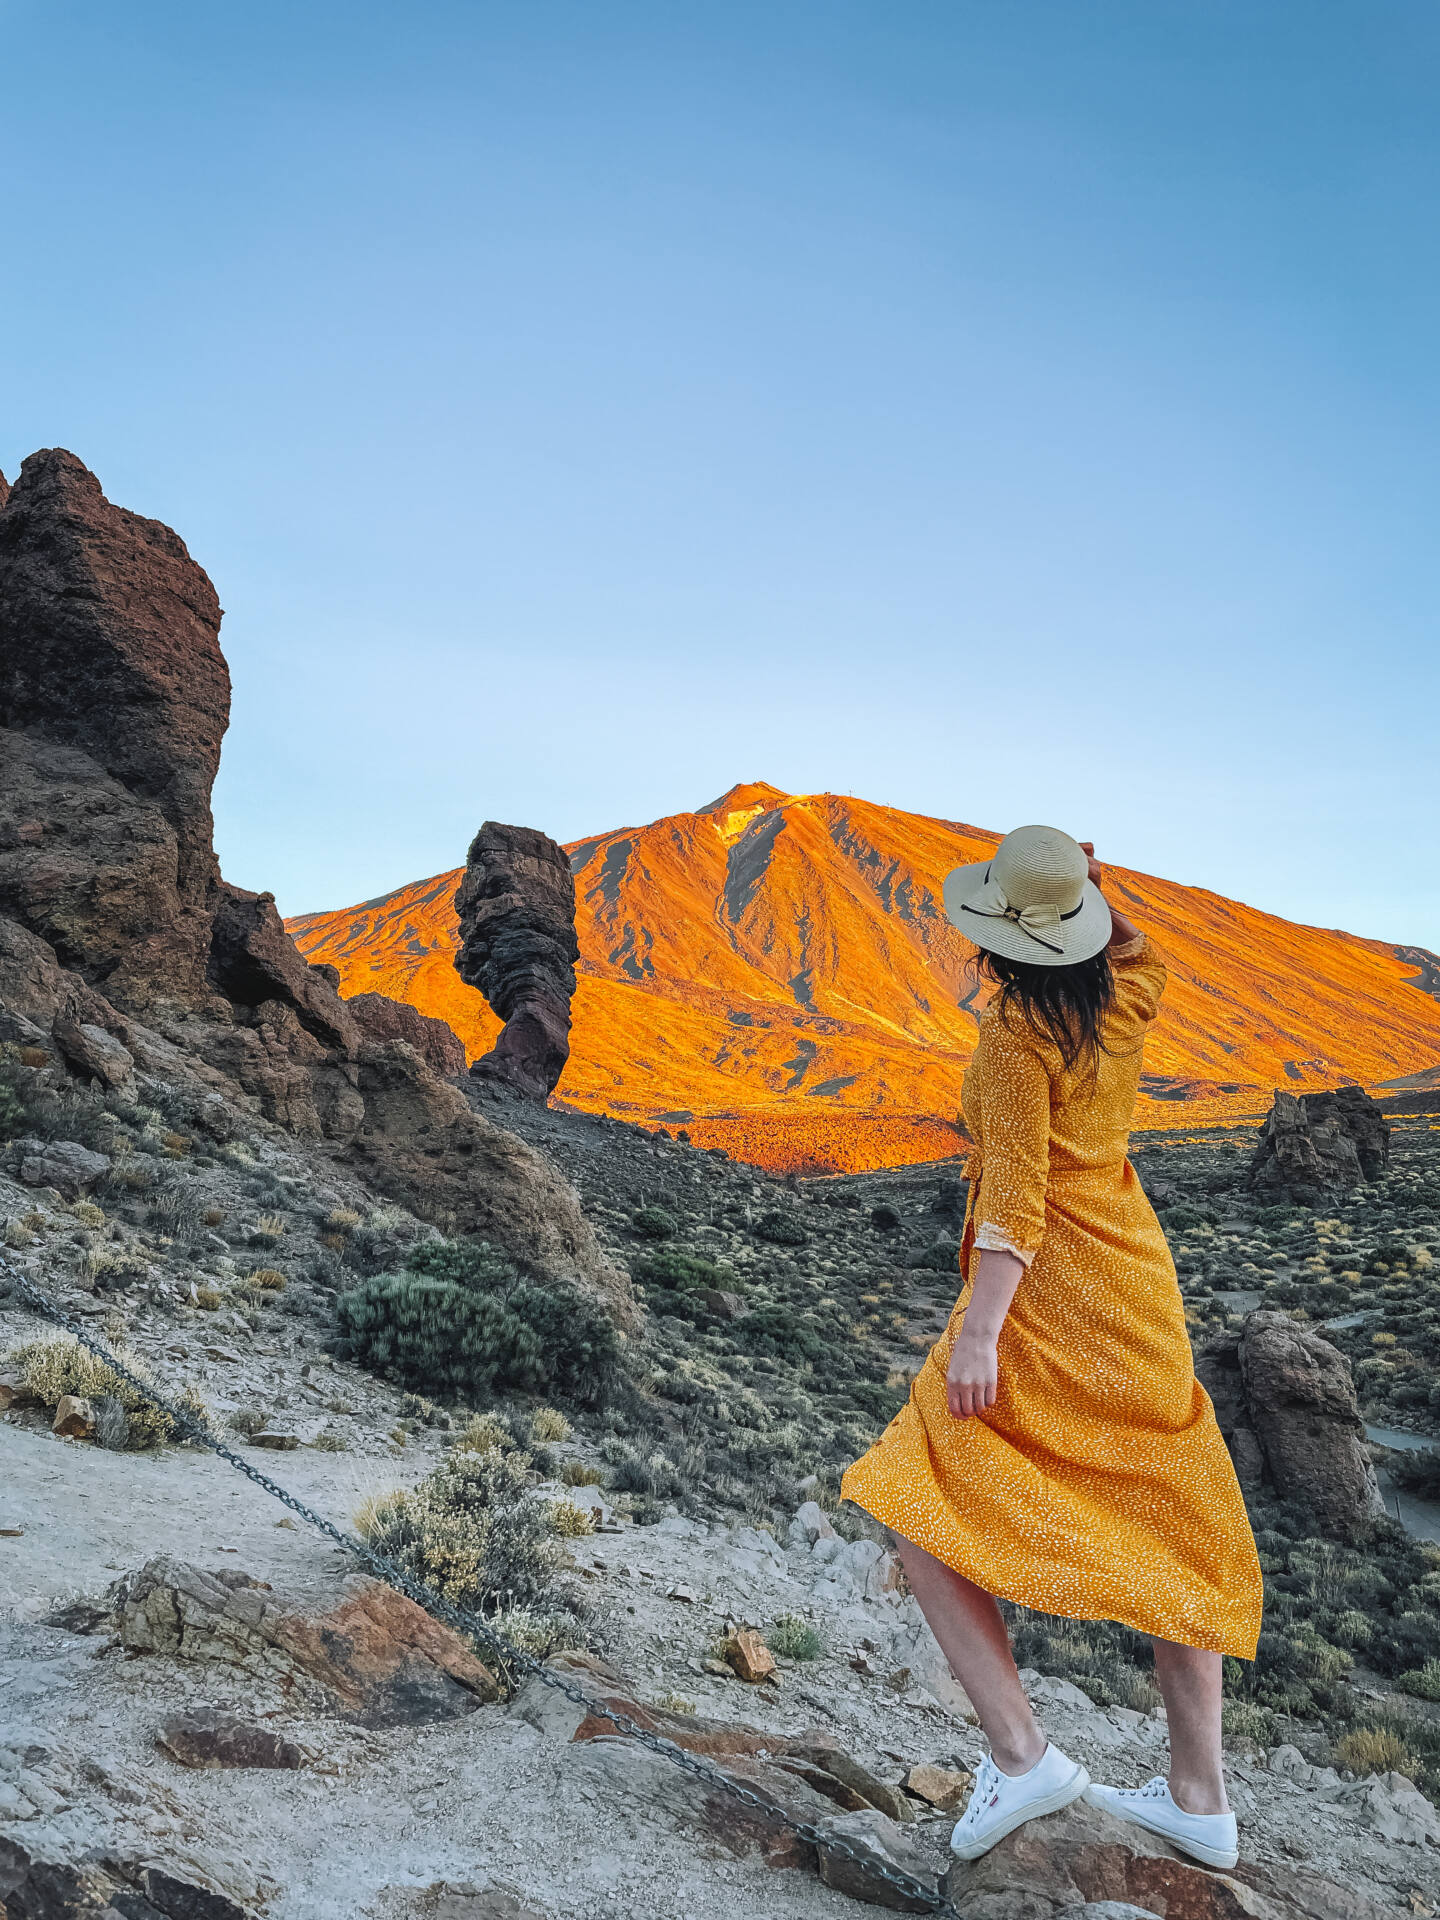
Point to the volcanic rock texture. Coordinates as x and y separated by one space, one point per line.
1317 1145
516 909
120 940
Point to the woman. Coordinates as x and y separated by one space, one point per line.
1056 1448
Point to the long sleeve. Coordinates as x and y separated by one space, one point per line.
1015 1129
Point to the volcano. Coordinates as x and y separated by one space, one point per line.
774 974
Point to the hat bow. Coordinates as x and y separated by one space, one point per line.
992 903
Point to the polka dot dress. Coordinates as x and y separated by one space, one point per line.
1098 1485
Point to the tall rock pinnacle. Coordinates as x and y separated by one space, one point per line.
516 906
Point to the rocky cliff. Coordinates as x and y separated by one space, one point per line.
114 918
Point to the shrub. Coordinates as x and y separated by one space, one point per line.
776 1331
473 1531
461 1320
208 1299
549 1425
267 1229
654 1223
342 1220
570 1522
576 1473
1374 1750
1422 1682
486 1433
266 1280
884 1217
941 1256
681 1272
247 1420
795 1638
56 1365
781 1230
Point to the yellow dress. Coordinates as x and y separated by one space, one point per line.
1098 1485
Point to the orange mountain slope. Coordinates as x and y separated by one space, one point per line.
775 974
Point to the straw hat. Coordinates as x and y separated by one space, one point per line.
1031 900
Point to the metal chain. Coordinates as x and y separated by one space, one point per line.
473 1626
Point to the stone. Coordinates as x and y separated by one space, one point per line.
723 1305
1290 1764
941 1787
1108 1910
14 1392
1300 1394
1316 1145
74 1418
823 1750
35 1888
383 1660
66 1166
453 1900
516 908
93 1050
209 1737
1084 1855
1392 1806
253 961
286 1436
749 1656
881 1840
437 1043
810 1523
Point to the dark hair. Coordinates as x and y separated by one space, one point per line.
1067 1005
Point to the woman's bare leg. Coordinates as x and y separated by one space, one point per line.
1190 1681
967 1623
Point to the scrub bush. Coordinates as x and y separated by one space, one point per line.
460 1321
680 1272
653 1223
781 1230
57 1365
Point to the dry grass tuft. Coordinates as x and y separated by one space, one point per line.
546 1424
1375 1750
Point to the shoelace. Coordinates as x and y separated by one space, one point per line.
985 1792
1155 1789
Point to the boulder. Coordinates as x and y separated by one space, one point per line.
34 1887
66 1166
74 1418
880 1840
211 1738
516 907
92 1050
1285 1401
1301 1398
380 1018
748 1656
1086 1856
1315 1145
810 1523
381 1660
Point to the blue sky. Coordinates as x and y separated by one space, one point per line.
1007 412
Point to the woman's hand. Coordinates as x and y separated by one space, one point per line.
1096 875
972 1379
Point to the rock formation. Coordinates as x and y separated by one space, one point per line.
1285 1400
381 1018
1315 1145
516 906
123 948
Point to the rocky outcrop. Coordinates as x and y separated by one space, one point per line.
1285 1400
1315 1145
381 1018
35 1887
516 907
123 949
1056 1866
109 646
376 1657
421 1143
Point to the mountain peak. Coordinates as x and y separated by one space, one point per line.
758 795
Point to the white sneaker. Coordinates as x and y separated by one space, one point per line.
1208 1837
1000 1802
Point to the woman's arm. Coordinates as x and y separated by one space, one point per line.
973 1376
1122 931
